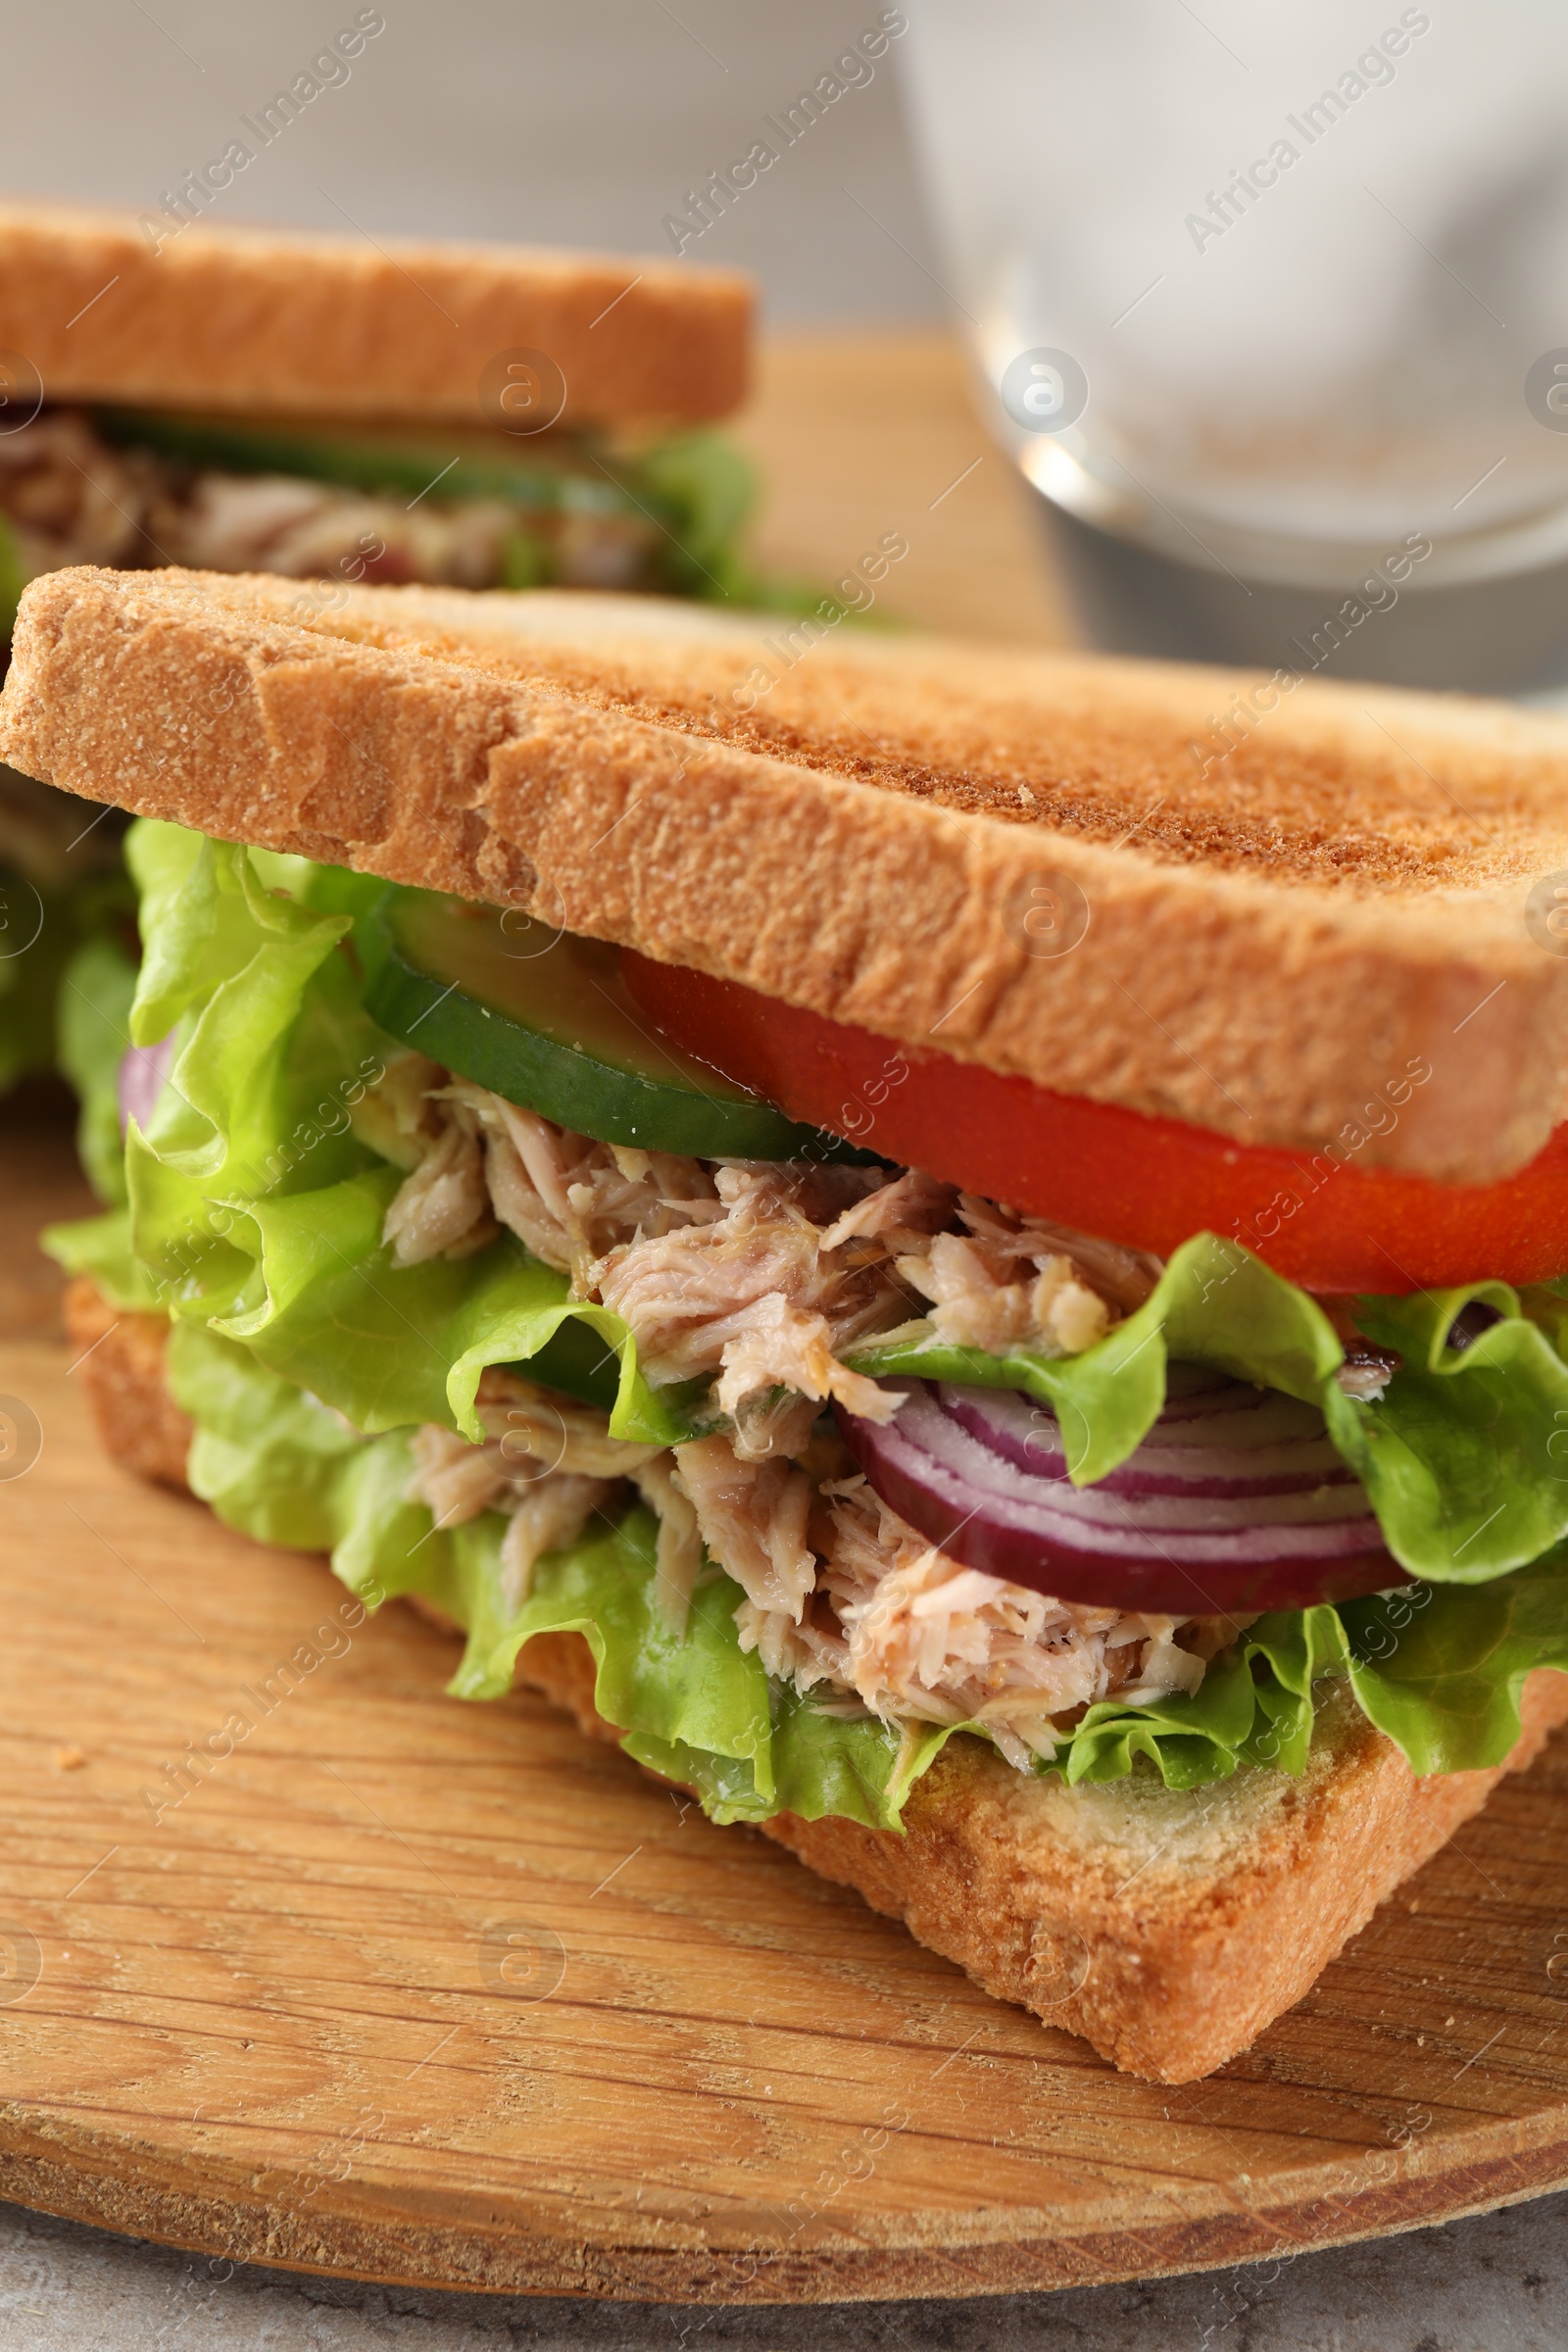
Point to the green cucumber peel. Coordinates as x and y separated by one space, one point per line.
1463 1455
368 463
543 1019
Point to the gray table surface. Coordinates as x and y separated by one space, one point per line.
1496 2283
584 121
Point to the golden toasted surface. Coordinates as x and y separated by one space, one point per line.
119 307
1303 784
1044 864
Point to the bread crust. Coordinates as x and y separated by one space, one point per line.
1244 1891
119 1362
1274 948
112 305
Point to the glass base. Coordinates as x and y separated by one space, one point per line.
1505 636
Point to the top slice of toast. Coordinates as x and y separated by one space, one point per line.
1061 866
144 311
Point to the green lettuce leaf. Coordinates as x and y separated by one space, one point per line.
255 1220
1438 1668
97 987
256 1211
704 489
389 1345
280 1466
65 936
269 1460
1215 1304
1255 1705
101 1248
32 957
1462 1456
42 935
13 579
821 1765
1457 1457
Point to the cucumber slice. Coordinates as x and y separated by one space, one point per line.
544 1019
466 464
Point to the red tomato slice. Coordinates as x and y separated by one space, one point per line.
1149 1183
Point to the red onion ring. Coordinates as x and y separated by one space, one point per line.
142 1072
1236 1501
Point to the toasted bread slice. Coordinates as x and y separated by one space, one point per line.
140 310
1168 1928
874 833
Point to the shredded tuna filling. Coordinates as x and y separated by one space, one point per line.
841 1595
760 1278
912 1634
72 497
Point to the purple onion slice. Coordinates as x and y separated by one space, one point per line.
142 1072
1236 1501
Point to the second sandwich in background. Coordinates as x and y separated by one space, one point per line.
247 400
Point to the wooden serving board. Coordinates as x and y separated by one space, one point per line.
422 1991
425 1992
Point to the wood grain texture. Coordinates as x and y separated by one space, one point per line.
862 434
416 1991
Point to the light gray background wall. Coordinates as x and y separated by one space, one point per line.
578 122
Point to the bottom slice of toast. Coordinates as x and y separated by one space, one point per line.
1166 1926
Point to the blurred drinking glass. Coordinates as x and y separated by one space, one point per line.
1272 304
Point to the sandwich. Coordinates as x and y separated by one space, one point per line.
966 1258
324 408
